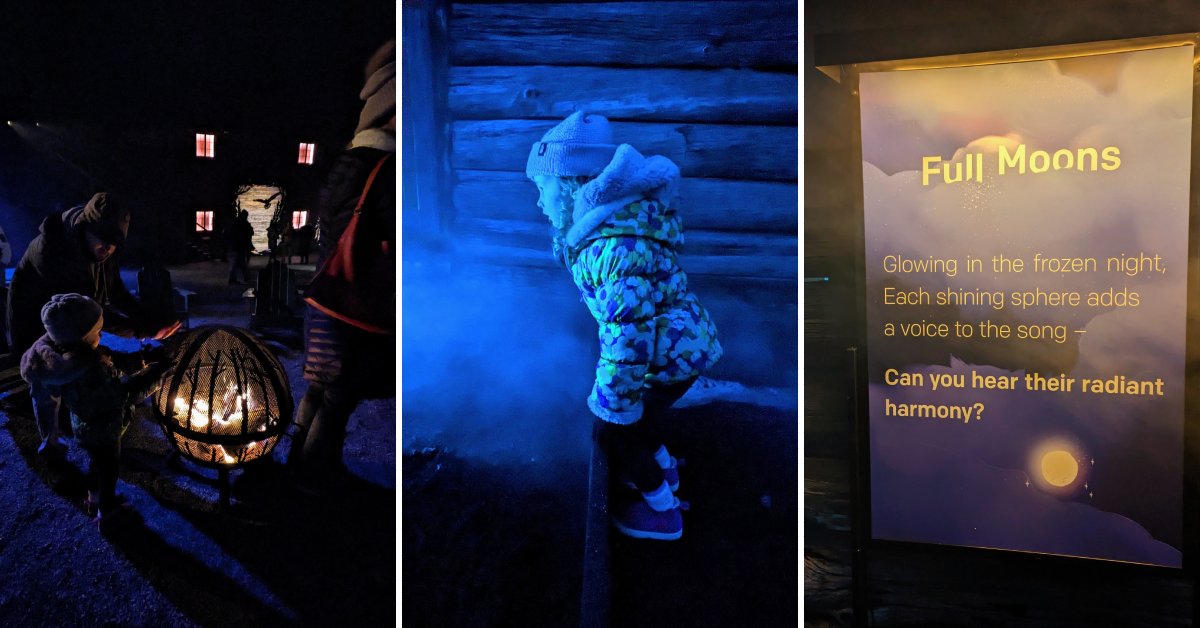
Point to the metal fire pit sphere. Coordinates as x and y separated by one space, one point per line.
227 401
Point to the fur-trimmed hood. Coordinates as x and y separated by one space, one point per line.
47 363
628 178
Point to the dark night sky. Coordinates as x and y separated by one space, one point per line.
113 82
271 65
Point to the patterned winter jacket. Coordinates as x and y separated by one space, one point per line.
624 239
99 397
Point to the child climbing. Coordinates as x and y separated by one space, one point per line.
618 232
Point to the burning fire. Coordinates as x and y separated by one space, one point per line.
227 402
226 418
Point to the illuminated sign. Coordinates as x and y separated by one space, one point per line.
1026 242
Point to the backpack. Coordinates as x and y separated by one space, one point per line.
357 282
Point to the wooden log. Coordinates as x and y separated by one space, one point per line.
667 95
712 253
421 125
715 151
707 204
695 34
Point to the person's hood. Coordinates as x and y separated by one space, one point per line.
47 363
103 215
382 139
53 228
628 178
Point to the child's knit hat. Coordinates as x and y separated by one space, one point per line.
69 317
580 146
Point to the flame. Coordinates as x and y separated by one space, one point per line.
232 422
199 417
226 415
224 455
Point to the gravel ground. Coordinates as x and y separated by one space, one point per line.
276 557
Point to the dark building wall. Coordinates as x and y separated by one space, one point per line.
120 89
712 85
157 173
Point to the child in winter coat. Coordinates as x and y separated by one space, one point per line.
619 233
67 361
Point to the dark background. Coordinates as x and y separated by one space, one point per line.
118 91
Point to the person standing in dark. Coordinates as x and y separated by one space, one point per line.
241 244
75 251
350 335
303 238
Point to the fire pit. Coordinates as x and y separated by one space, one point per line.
227 401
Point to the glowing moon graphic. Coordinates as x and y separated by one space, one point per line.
1059 468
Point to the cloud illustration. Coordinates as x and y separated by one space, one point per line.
966 483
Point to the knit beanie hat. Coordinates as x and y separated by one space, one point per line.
105 218
580 146
69 317
379 92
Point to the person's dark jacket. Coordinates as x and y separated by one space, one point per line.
337 353
55 263
241 236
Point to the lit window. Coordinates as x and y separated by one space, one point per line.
204 220
204 145
299 218
306 153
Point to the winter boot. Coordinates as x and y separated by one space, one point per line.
658 515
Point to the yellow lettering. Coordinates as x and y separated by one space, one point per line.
958 174
1033 161
1016 161
926 170
1112 161
1087 152
1062 152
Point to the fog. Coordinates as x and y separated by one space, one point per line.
495 363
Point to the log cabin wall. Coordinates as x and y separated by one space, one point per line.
711 85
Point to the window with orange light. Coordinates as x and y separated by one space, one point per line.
205 144
307 152
204 220
299 218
